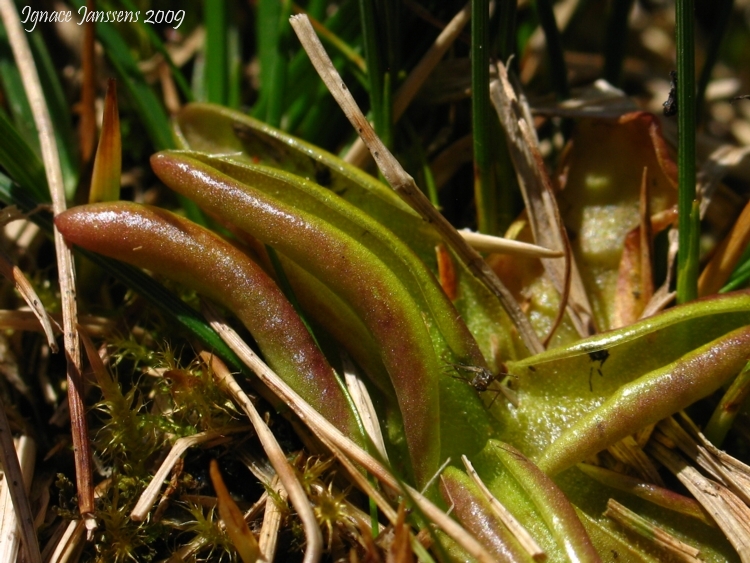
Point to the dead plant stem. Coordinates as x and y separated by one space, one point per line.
65 267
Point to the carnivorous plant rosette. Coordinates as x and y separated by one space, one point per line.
363 267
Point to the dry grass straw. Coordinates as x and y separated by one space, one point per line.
541 205
635 523
16 523
65 267
149 495
506 517
272 517
15 275
277 457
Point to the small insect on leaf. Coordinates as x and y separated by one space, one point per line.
481 378
597 356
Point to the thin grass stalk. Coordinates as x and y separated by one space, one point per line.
506 14
276 457
21 162
481 114
276 86
215 18
65 264
87 123
615 40
266 13
431 189
329 434
358 153
331 38
739 279
381 115
554 48
16 102
234 67
59 109
506 181
687 258
723 9
404 185
16 488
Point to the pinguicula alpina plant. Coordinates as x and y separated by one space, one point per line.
415 399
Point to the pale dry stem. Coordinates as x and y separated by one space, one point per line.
506 517
277 458
15 275
14 479
635 523
269 531
541 206
10 526
180 446
730 513
488 243
65 267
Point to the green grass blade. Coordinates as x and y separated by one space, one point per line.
481 114
689 225
216 76
373 38
21 162
741 274
309 97
197 82
234 70
15 95
554 48
59 110
723 9
337 44
615 40
427 180
56 101
273 32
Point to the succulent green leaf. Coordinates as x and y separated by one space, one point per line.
550 502
650 398
160 241
307 196
378 296
473 510
215 130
